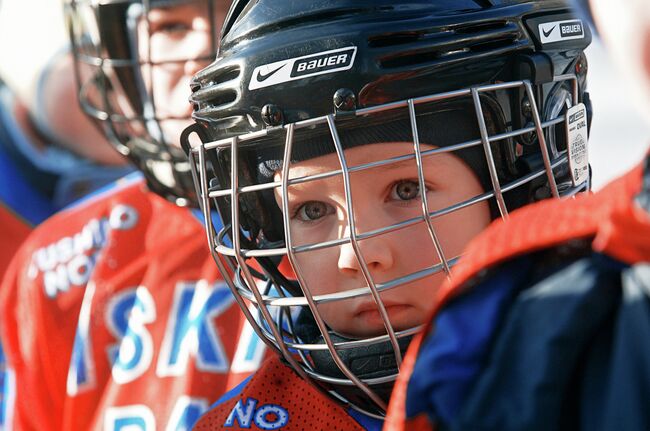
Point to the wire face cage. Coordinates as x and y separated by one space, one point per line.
134 60
278 240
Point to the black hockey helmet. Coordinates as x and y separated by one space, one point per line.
489 81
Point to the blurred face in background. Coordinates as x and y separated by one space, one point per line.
625 28
175 41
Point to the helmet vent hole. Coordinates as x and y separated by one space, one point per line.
482 27
392 39
492 44
217 91
220 98
225 75
422 47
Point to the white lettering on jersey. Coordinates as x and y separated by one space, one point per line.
266 417
123 217
126 317
271 417
129 418
250 349
191 332
242 413
81 374
70 261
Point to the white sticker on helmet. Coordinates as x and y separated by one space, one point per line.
560 31
292 69
577 139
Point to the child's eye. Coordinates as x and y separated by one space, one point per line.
175 27
312 211
170 28
405 190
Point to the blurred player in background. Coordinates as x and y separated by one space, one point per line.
545 325
352 149
51 154
112 312
43 166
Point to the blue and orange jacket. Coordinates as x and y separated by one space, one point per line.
545 325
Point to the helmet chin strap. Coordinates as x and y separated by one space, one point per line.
373 360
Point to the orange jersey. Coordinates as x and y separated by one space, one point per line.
611 224
114 315
13 232
276 398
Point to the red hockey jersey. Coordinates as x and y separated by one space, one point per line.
13 232
276 398
114 315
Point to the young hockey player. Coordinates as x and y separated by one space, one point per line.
352 149
113 314
547 328
46 160
49 157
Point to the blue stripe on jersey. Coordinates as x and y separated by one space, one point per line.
234 392
367 422
3 390
7 393
21 198
216 220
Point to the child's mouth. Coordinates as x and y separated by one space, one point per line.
371 316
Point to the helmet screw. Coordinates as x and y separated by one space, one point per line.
527 108
345 100
527 138
582 65
272 115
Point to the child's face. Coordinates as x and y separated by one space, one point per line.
178 41
381 197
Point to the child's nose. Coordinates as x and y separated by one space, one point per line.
375 253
